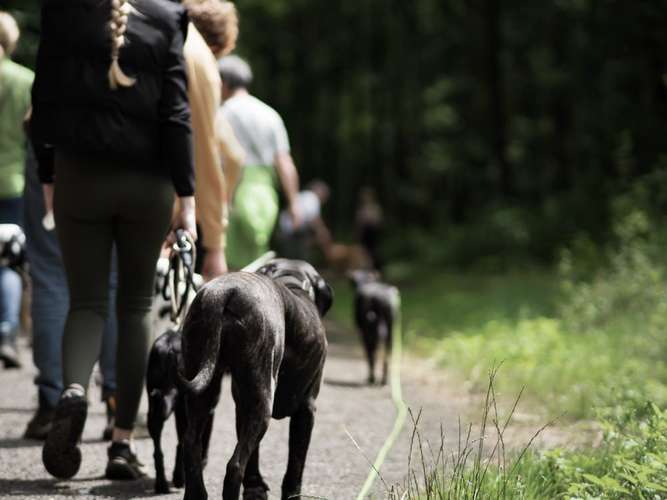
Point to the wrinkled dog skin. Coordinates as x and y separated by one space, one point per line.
264 329
375 306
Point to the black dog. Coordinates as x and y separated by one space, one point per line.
164 398
375 306
164 394
266 330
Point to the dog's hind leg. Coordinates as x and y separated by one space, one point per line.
300 430
156 417
254 487
253 413
206 438
370 338
181 429
198 412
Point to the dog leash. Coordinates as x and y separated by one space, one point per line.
397 397
259 262
180 276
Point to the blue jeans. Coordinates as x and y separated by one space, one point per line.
50 300
11 288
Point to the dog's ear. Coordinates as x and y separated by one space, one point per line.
324 296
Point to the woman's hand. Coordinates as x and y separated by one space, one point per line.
295 214
185 219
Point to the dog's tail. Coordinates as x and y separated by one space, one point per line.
202 334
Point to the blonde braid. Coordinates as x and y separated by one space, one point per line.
120 10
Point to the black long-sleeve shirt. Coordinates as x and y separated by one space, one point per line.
147 125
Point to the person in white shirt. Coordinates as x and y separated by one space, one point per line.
294 241
268 162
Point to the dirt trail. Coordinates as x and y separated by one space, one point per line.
336 469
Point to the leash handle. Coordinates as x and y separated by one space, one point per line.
180 277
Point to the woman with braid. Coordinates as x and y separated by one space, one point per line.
111 129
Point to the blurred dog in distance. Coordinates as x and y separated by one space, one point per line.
375 312
344 258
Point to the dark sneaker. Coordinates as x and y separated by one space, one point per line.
9 355
40 424
110 402
123 463
61 454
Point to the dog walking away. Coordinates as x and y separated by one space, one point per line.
165 396
375 306
264 329
176 282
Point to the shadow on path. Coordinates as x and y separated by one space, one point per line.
141 488
346 383
23 487
14 443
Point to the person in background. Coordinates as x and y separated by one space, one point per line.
212 33
15 84
263 136
295 241
111 131
369 223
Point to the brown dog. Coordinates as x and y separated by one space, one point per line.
344 258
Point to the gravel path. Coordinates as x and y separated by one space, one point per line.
336 468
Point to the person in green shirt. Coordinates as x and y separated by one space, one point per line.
15 85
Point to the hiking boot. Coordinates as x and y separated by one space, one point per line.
40 424
123 462
9 355
110 402
61 454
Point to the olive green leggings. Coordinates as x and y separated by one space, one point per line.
99 204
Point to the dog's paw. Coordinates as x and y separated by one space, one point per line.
255 493
197 495
178 481
162 487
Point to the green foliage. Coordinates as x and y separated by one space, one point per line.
631 462
602 338
563 373
455 111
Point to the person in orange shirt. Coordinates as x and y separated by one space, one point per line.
212 34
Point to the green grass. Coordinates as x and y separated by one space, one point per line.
631 461
437 303
472 321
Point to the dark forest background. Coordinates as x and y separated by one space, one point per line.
486 126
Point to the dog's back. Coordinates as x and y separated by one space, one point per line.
375 303
375 310
226 323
